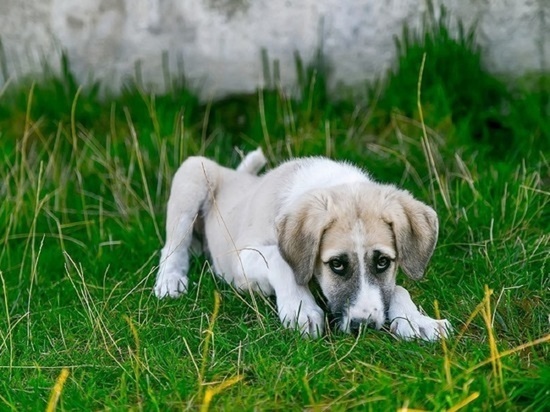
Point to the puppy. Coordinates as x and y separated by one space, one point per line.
307 219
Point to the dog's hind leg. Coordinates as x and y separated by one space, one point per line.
253 162
192 189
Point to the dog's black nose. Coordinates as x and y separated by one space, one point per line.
356 323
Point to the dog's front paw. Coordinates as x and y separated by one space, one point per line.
304 316
170 284
421 327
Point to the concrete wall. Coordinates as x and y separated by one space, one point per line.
218 43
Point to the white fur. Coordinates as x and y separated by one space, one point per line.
240 213
321 173
408 323
253 162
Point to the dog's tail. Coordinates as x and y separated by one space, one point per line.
253 162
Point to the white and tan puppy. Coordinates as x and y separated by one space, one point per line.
307 219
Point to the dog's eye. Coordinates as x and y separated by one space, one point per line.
382 264
339 267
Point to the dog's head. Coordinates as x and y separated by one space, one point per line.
352 239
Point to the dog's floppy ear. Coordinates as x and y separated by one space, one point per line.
299 233
415 227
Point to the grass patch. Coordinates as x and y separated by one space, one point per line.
84 184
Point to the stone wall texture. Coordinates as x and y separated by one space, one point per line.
218 43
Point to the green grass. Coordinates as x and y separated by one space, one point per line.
84 184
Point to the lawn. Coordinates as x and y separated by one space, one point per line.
84 182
